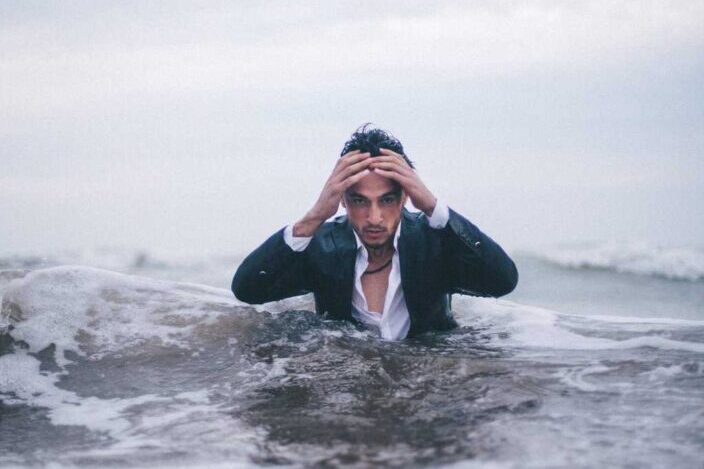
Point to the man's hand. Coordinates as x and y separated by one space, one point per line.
350 168
392 165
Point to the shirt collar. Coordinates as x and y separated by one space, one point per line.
360 245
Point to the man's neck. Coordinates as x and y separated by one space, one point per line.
380 253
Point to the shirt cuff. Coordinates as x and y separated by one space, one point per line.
297 243
440 216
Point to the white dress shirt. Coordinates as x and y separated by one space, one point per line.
394 321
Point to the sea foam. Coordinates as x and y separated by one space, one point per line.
90 311
161 368
529 327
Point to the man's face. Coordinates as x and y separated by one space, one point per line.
374 207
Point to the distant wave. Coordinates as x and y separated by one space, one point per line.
213 270
634 258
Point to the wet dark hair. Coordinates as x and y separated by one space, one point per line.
367 138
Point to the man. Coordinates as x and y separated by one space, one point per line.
380 265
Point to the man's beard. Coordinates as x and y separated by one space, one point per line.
377 243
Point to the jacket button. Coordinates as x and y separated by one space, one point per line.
262 272
478 243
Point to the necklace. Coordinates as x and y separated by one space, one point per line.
367 272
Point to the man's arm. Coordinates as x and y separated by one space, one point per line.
475 263
272 272
279 268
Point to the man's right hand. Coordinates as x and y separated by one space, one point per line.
350 168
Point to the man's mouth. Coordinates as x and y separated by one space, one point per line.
374 233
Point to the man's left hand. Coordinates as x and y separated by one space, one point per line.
392 165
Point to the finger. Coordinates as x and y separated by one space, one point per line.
390 160
391 166
345 161
352 159
352 180
351 170
345 158
393 157
353 156
392 175
350 153
386 151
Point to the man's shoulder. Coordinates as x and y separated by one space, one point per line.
337 224
414 225
334 234
415 218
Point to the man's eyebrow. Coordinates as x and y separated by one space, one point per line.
357 194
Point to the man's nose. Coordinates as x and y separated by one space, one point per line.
375 217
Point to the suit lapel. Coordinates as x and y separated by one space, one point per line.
346 256
409 256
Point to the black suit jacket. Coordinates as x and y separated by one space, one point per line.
435 263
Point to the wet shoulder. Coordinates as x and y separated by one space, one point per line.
332 236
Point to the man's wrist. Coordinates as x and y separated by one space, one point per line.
440 216
297 243
306 226
430 208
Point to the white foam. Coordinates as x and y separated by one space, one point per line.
636 258
20 377
661 373
295 303
576 377
524 326
91 311
131 424
649 321
229 464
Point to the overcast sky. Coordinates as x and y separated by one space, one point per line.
206 126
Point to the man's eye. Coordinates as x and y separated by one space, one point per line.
388 200
358 201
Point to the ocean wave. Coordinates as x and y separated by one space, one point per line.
151 370
21 381
634 258
214 270
91 312
524 327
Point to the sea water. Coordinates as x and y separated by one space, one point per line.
112 358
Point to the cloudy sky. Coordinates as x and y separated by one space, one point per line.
205 126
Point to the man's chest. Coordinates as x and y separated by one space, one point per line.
374 288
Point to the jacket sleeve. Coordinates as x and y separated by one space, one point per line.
476 265
272 272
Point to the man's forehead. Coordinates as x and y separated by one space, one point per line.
374 185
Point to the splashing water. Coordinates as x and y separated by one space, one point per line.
99 368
